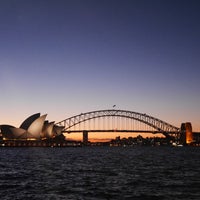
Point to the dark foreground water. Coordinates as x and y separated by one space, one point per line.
100 173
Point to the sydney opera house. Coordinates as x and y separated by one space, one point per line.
34 128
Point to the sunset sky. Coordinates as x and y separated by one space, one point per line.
66 57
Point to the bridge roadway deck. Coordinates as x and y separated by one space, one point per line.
116 130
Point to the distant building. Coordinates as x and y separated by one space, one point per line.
196 137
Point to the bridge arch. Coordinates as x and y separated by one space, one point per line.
159 125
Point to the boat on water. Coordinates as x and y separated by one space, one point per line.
174 144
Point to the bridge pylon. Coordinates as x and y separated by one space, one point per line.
186 134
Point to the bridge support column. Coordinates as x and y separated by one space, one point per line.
85 137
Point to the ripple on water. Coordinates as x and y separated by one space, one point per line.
100 173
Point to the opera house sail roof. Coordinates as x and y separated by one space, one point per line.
27 122
34 127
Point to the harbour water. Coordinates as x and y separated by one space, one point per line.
94 173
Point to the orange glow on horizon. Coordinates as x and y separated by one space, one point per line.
107 136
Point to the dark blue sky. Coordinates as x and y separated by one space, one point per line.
64 57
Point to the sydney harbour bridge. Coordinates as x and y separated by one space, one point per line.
114 120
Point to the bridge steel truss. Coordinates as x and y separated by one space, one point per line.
159 125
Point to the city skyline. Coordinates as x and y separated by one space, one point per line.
69 57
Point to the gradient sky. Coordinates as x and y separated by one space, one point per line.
65 57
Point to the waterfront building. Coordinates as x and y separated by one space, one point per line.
33 128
